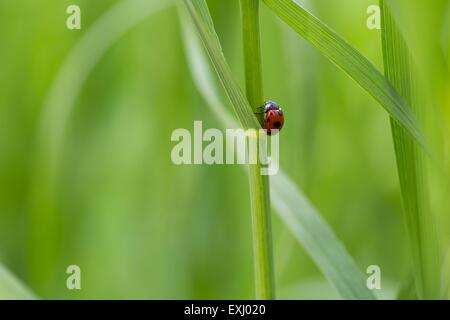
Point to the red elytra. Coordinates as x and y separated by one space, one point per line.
273 119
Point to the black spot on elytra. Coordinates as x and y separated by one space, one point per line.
277 124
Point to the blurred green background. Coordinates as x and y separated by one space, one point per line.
112 202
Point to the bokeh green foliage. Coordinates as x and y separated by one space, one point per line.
141 227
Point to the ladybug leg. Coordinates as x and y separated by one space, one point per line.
262 110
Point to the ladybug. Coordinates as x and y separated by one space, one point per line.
273 117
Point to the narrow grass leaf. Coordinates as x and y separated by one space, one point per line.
56 114
259 184
347 58
259 191
252 52
410 164
318 239
202 19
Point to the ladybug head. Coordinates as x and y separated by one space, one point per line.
270 105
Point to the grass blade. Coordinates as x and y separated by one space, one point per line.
318 239
11 288
202 19
252 52
293 208
259 190
259 184
337 50
410 164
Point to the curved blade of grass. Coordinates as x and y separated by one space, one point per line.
318 239
347 58
259 190
410 163
202 19
11 288
294 209
57 109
